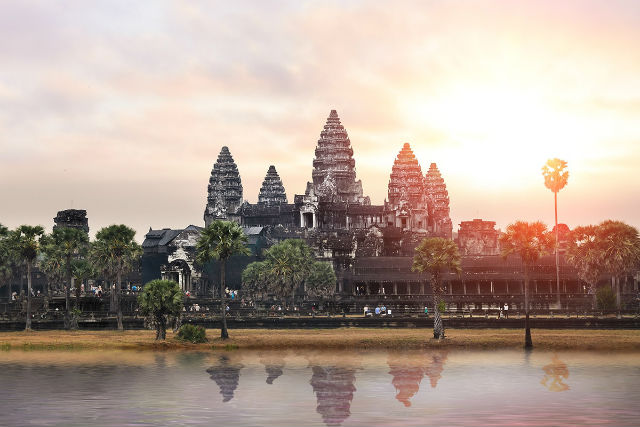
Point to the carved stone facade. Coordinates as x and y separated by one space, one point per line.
438 197
478 238
272 191
72 218
332 216
225 188
407 205
334 172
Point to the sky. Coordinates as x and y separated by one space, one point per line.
121 107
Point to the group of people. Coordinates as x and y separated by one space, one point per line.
378 311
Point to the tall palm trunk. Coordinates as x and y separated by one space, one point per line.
527 330
618 299
224 334
555 200
28 322
438 326
117 300
67 293
161 327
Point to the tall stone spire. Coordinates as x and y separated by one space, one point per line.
438 197
272 191
225 188
334 173
406 183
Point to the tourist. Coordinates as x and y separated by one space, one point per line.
366 310
426 311
377 311
506 310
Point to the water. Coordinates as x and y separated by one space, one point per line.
312 388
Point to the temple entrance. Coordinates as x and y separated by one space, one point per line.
307 220
179 272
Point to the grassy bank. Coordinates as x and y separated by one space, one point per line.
344 338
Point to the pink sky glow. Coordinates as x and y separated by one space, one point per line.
121 108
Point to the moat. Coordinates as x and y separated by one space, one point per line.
276 387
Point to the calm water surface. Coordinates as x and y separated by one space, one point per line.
312 388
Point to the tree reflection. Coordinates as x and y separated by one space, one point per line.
554 373
273 362
408 369
333 382
227 375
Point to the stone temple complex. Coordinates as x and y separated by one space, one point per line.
370 246
332 215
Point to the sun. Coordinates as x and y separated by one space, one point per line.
496 134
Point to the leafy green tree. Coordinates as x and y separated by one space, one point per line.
61 248
321 282
555 179
159 299
219 241
584 253
81 271
621 250
255 278
115 253
436 256
7 260
26 243
529 241
289 265
606 299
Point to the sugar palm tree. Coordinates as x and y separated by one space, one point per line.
6 260
219 241
555 179
437 256
585 254
530 241
289 265
64 245
115 253
621 251
26 242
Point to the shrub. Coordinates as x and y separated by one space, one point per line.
606 298
193 334
442 307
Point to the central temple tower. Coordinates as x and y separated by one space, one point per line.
334 173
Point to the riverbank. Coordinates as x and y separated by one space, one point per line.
341 338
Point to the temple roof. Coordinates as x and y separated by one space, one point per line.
406 182
224 193
272 191
334 174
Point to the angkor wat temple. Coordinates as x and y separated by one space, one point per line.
370 246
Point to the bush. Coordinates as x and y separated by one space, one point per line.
193 334
442 307
606 298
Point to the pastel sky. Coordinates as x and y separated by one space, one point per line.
121 107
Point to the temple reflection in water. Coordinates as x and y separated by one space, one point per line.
554 375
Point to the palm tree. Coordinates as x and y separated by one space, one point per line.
555 179
437 256
64 245
220 240
6 260
530 241
82 271
115 253
621 250
289 265
26 241
585 254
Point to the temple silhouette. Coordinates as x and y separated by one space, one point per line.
370 246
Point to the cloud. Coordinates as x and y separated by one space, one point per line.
117 104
